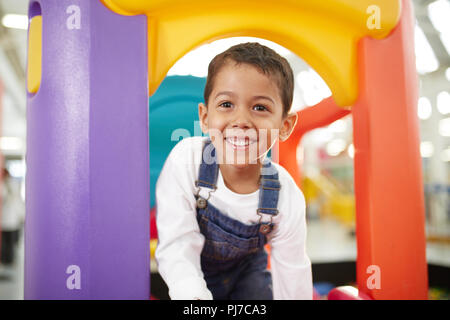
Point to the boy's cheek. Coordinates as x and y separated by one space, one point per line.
267 139
215 135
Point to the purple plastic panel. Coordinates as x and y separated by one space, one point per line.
87 195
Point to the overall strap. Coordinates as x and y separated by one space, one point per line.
208 172
269 190
209 169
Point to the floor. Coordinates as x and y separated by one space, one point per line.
327 241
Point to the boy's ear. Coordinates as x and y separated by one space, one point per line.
203 117
288 126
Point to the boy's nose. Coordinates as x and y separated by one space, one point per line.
241 119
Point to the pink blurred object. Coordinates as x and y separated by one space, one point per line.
316 295
153 230
347 293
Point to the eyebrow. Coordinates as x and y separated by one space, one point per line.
225 93
264 97
232 94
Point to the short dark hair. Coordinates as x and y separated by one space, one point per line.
263 58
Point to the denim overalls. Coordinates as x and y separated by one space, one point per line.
233 259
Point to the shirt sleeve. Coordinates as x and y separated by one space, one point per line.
179 239
290 265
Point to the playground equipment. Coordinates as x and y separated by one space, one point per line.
390 214
176 95
173 116
90 73
331 199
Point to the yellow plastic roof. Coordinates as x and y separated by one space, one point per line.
323 33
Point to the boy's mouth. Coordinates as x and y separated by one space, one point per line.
240 143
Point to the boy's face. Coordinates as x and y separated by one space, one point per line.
244 116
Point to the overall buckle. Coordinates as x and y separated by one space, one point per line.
201 202
265 227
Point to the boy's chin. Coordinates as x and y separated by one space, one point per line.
240 166
242 163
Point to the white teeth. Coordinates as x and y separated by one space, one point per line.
240 142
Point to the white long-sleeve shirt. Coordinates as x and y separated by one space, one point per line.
180 242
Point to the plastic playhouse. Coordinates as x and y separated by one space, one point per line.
92 67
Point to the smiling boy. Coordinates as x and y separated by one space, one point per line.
220 199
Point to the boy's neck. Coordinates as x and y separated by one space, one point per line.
241 180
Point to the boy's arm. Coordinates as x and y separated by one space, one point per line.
290 265
179 239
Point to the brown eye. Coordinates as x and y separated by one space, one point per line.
225 104
259 107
